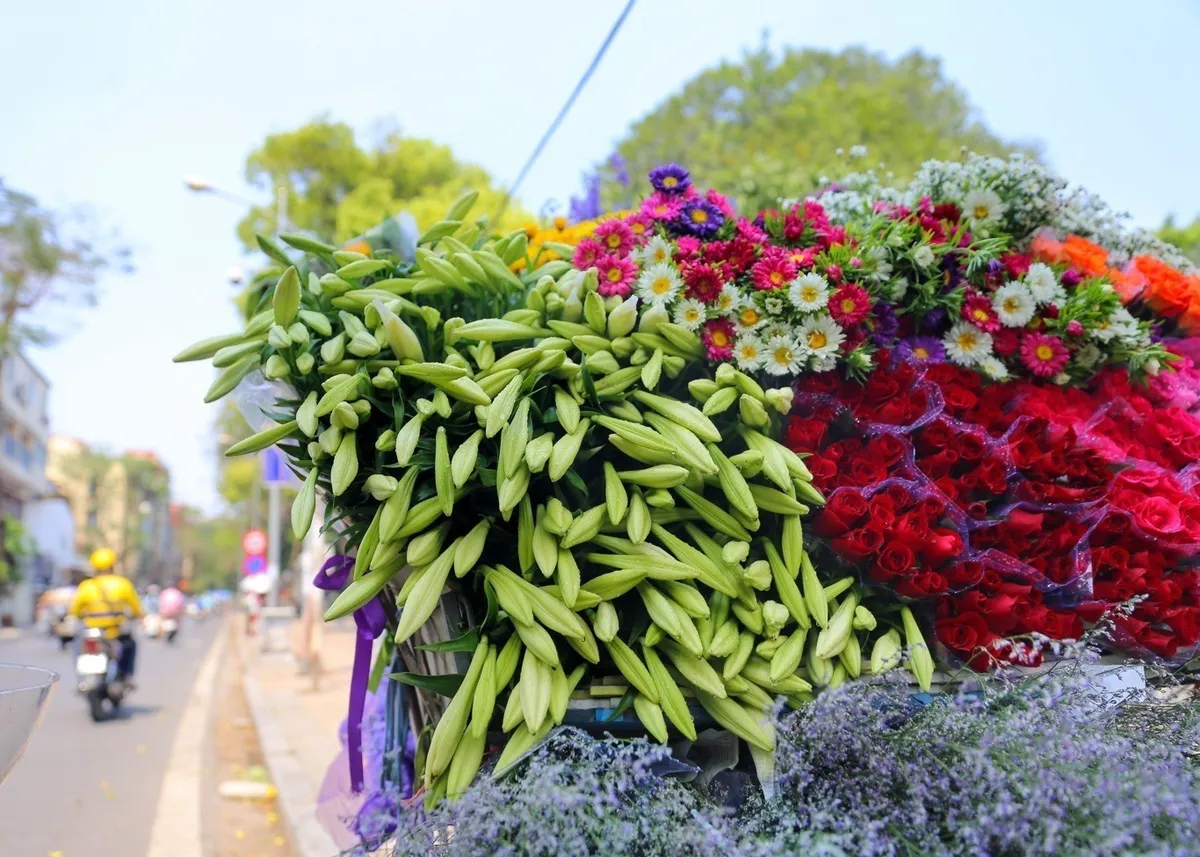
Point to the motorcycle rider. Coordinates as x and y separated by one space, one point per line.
109 602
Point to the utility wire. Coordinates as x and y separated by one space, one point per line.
583 81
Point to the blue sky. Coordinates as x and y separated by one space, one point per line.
111 104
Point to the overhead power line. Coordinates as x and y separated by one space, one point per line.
583 82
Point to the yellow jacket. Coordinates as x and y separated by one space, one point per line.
106 601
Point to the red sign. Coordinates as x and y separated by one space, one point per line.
254 542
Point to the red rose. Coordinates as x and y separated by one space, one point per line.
925 584
962 575
936 435
911 530
894 560
858 544
1184 621
841 514
1158 516
970 447
898 494
864 471
805 435
1001 612
943 545
1062 626
887 449
881 387
963 633
958 398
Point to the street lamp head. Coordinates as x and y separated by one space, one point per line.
197 183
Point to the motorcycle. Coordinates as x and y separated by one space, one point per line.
96 673
170 629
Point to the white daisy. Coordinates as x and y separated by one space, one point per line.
858 151
656 251
821 336
773 306
749 352
1042 284
690 313
824 364
775 329
899 287
729 299
966 344
783 356
1013 304
982 206
923 256
993 368
748 317
809 292
1105 330
659 284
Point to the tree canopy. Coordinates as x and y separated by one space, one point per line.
338 188
1186 238
46 257
773 125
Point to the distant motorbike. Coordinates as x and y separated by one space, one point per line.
170 629
96 673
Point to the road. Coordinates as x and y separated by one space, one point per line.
91 790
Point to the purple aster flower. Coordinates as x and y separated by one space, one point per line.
670 179
588 206
920 349
699 217
994 267
934 319
886 325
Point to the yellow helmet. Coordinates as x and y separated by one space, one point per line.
103 559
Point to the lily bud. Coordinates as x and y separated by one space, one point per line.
330 439
558 517
920 661
735 552
275 368
864 619
885 654
277 337
775 616
652 318
781 399
344 417
758 574
752 412
386 441
314 451
363 345
622 319
572 309
381 486
450 330
298 333
606 623
305 363
385 379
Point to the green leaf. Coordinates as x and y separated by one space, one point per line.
493 606
445 685
589 386
624 705
386 650
576 482
468 642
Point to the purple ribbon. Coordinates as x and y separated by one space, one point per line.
371 621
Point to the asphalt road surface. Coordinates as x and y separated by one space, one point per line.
88 789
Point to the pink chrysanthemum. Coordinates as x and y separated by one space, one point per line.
747 229
642 227
978 310
659 206
1043 355
773 271
721 202
686 247
718 339
587 252
704 282
849 305
616 275
616 236
805 258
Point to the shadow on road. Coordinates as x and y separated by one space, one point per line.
128 712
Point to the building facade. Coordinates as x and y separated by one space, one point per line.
24 395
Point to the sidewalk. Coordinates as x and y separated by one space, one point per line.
298 721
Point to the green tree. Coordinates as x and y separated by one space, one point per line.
772 125
46 257
337 188
1186 238
210 547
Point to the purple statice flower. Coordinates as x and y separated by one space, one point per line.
377 819
994 267
700 218
619 167
588 206
920 349
670 179
886 325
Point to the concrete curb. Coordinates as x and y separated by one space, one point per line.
296 801
177 827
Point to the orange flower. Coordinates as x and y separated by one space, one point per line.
358 247
1167 290
1046 248
1086 257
